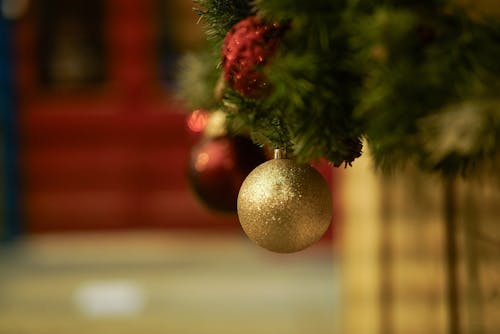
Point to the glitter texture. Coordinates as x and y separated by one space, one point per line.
283 206
246 48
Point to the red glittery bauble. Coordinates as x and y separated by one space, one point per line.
246 48
218 166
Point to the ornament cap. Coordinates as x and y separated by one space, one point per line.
279 153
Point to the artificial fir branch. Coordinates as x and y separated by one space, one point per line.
400 73
219 16
197 78
416 65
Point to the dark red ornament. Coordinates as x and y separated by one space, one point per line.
247 47
218 166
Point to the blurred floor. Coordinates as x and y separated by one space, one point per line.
164 283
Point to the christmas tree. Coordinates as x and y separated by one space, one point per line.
419 80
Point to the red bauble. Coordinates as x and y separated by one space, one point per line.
247 47
218 167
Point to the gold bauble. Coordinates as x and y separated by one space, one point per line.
284 206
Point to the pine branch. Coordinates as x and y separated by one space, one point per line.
401 73
219 16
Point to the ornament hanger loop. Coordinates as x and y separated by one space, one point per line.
279 153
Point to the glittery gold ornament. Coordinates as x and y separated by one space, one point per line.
284 206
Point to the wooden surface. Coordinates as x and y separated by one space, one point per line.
395 251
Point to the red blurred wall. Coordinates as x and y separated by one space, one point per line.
112 156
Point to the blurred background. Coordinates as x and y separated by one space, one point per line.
102 231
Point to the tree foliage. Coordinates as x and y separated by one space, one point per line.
420 80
